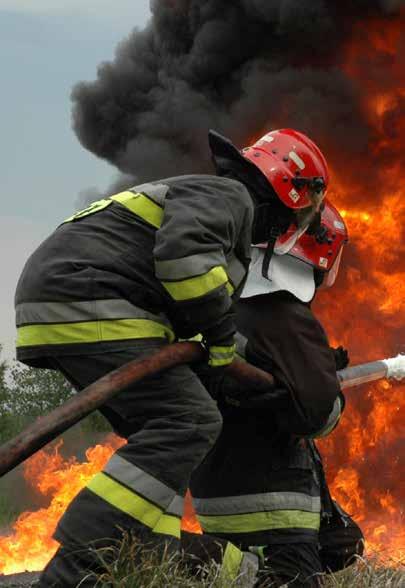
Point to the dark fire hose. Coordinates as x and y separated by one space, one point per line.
47 427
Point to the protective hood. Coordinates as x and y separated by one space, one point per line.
285 273
229 161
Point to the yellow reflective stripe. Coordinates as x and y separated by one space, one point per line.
168 525
231 563
142 206
94 207
221 355
198 286
260 521
229 288
92 332
134 505
226 350
220 362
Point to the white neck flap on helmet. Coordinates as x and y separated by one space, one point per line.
285 273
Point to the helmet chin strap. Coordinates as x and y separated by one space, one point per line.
274 234
277 228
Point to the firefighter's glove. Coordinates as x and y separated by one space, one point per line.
341 356
220 355
219 341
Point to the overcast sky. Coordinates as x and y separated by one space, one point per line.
46 46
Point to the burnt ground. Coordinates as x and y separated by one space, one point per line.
19 580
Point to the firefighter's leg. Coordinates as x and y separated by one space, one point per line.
236 568
170 423
297 565
341 540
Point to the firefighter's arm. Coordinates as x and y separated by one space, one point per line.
201 226
341 358
304 366
286 339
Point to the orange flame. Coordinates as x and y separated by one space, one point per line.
367 307
363 312
30 546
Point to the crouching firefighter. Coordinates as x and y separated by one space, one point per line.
263 487
130 274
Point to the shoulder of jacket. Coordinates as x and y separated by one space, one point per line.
207 180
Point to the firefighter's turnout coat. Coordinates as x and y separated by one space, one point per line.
115 282
261 485
157 261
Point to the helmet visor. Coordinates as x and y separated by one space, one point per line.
286 242
303 219
331 275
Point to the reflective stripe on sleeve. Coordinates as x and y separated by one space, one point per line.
87 310
260 521
142 206
221 355
267 501
229 288
189 267
198 286
92 332
236 271
332 421
134 505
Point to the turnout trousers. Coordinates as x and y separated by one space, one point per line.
170 422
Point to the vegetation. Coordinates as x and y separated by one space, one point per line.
368 574
25 394
124 568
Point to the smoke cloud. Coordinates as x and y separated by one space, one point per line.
240 67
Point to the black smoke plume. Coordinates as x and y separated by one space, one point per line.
239 66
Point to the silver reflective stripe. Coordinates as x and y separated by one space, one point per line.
333 420
156 192
188 267
236 271
241 342
249 503
176 507
249 567
65 312
139 481
227 355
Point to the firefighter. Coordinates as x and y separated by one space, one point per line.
262 487
134 272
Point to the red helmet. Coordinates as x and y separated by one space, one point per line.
293 165
322 249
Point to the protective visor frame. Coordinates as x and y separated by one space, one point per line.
331 275
304 218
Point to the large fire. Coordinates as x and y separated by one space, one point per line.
366 310
363 312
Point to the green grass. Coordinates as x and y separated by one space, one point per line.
127 571
126 568
368 574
